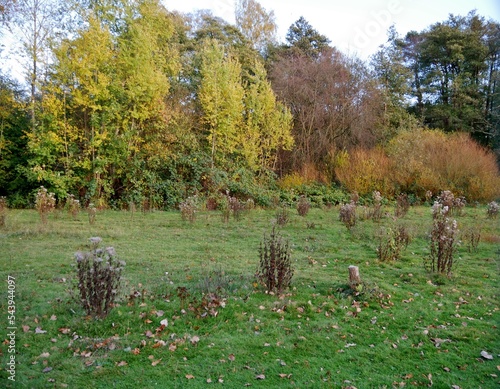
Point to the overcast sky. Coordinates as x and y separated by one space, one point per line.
356 27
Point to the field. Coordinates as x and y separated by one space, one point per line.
404 328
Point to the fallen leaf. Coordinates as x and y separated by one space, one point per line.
154 363
260 377
231 357
47 369
122 363
159 313
195 339
44 355
53 317
149 334
485 355
64 330
26 328
446 369
136 351
38 330
189 376
164 322
159 343
172 347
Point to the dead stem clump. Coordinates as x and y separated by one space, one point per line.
275 269
99 274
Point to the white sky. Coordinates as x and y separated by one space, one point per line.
355 27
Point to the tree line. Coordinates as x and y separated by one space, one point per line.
126 101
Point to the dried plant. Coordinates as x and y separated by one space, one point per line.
443 241
348 214
428 196
73 206
91 211
393 243
303 206
189 209
99 274
3 211
236 207
455 205
402 205
275 268
282 216
472 236
376 211
45 203
492 210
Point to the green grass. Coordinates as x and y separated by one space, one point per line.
313 336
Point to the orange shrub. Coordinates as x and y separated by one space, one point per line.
432 160
365 171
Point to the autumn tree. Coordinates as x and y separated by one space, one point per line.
334 103
267 123
221 99
257 25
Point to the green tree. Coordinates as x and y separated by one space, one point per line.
303 38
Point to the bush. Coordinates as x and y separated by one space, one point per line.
99 273
275 268
492 210
366 171
91 211
45 203
430 160
73 206
443 241
189 209
3 211
282 216
303 206
402 205
348 214
393 243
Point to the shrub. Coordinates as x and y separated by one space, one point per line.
3 211
348 214
73 206
282 216
99 273
303 206
366 171
393 243
189 209
91 211
376 212
402 205
275 268
443 241
430 160
472 236
45 203
455 205
492 210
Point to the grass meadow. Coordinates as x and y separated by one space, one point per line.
404 328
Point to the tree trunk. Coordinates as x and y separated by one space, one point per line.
354 278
